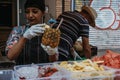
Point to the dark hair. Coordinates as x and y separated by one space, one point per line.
35 3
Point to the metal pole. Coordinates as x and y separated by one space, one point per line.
63 6
84 2
18 16
72 5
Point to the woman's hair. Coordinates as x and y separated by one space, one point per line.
35 3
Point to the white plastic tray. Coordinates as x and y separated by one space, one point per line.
6 74
60 75
107 74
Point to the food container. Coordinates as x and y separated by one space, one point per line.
89 74
6 74
117 73
40 72
102 75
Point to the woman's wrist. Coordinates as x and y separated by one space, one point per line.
54 57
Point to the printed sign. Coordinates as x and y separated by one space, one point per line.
108 14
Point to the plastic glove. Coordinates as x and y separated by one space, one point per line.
49 50
76 56
34 30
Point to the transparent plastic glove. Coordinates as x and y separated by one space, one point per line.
49 50
77 56
34 30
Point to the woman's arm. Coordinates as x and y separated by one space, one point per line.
53 58
14 52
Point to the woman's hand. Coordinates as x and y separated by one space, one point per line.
52 52
49 50
35 30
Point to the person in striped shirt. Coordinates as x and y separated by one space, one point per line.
75 24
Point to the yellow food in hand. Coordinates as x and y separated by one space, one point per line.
51 37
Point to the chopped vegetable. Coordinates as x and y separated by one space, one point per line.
110 58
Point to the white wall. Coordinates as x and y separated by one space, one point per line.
51 9
105 39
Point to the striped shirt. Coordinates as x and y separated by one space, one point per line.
32 51
73 26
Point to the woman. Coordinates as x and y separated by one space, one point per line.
24 42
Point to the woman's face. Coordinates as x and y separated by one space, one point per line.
33 15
